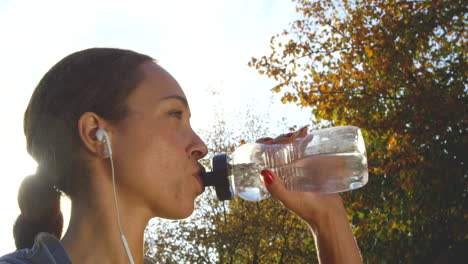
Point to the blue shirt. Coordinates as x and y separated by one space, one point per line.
47 249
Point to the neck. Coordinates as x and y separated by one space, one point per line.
93 235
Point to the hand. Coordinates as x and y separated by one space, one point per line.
309 206
324 213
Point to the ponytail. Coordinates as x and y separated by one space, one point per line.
39 203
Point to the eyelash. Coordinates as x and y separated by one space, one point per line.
176 114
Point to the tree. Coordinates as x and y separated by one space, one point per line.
397 69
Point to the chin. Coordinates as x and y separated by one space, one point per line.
182 212
186 213
180 216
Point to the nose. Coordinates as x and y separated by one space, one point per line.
198 148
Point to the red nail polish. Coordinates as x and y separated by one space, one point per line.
289 134
267 177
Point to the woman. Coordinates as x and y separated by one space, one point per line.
145 115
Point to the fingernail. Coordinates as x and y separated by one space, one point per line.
289 134
267 177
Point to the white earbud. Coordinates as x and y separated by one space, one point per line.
101 135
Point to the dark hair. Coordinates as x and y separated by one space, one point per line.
95 80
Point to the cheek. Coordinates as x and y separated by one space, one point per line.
159 163
157 169
139 157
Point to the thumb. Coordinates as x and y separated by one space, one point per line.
275 186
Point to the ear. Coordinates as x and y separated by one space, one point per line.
88 124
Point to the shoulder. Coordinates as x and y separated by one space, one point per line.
46 249
17 257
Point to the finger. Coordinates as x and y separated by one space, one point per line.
291 137
303 132
285 138
275 186
265 140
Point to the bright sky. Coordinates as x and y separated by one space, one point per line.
204 44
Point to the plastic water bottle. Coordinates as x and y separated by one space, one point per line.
329 160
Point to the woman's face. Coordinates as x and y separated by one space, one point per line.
155 150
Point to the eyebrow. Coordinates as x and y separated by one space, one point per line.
183 100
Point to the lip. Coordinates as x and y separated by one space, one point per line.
197 176
201 183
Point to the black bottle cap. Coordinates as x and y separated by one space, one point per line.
219 177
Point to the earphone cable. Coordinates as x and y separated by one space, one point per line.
122 237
